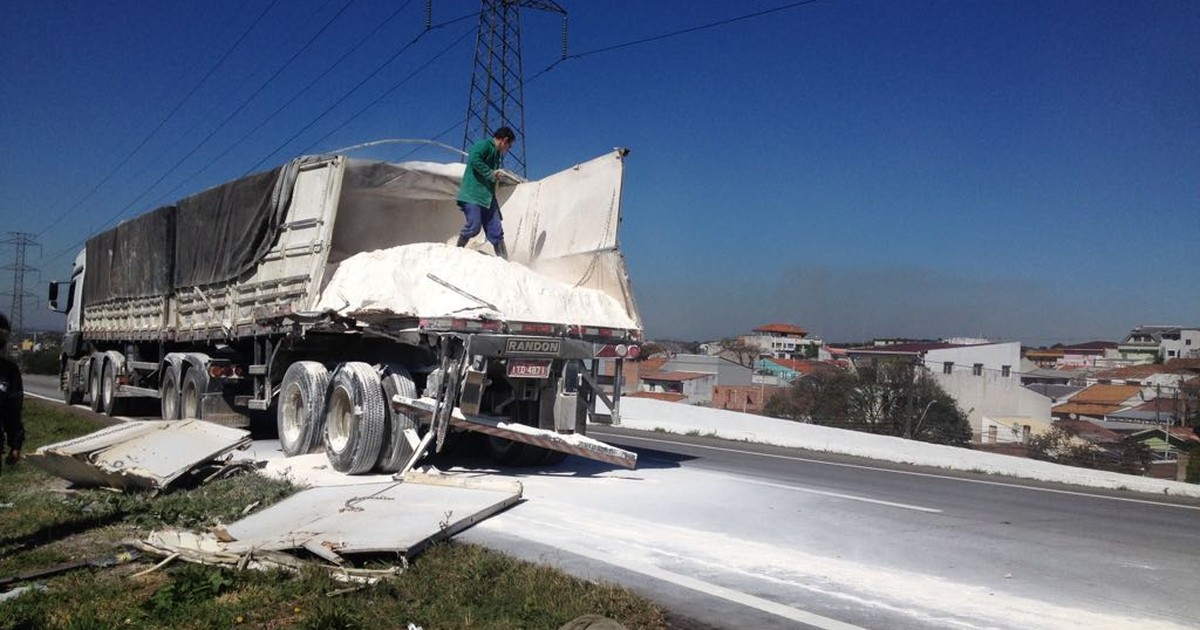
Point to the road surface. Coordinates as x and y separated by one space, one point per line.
744 536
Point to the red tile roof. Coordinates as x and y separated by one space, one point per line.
1137 371
782 329
1084 409
1106 394
657 396
1090 431
907 348
674 376
802 366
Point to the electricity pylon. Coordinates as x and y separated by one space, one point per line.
16 312
497 84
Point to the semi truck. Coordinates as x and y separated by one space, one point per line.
328 292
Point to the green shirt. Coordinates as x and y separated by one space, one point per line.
478 182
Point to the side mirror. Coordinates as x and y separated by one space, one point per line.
53 297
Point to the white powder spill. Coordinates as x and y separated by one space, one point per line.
603 526
397 281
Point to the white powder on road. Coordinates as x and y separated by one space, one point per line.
397 281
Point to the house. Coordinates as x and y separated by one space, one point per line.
979 377
776 371
1011 429
728 372
783 340
1150 343
744 398
696 388
1167 444
1074 357
1097 401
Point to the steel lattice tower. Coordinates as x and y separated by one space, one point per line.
497 83
16 312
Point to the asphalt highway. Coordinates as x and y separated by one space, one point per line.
736 535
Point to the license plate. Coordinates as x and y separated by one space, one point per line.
526 368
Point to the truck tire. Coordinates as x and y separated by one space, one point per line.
354 418
506 452
300 413
395 450
171 394
71 393
95 373
195 383
113 406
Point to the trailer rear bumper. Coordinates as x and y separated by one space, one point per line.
572 443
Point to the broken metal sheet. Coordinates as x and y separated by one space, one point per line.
148 454
573 443
401 517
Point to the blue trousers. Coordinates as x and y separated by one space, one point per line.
480 218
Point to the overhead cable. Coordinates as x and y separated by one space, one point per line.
162 122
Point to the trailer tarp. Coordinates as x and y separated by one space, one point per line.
224 231
134 259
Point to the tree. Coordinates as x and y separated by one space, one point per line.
888 399
1062 446
745 354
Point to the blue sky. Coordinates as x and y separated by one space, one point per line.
1019 170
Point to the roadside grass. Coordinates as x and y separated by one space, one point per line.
450 585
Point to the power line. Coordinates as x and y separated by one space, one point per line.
262 122
162 122
229 117
395 87
295 96
654 38
370 76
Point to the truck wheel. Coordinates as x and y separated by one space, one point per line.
300 413
170 391
71 393
354 418
113 406
395 451
95 373
506 452
194 386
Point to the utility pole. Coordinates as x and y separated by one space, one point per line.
21 241
497 83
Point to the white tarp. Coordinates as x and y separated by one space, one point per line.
395 221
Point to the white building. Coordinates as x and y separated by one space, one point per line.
1149 343
983 379
784 341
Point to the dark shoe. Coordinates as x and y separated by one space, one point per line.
13 457
501 250
462 241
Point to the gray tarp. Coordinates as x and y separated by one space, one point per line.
210 237
134 259
226 230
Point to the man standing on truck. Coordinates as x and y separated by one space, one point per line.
12 398
477 193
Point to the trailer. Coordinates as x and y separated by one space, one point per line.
328 293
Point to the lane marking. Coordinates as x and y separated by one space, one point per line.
839 495
900 472
707 588
80 406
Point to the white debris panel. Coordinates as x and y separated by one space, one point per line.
411 280
139 455
392 517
